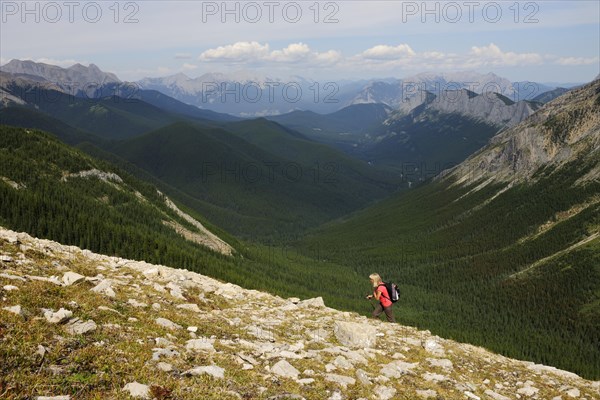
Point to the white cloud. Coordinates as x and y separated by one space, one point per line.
255 52
385 52
329 57
240 51
575 61
294 52
492 55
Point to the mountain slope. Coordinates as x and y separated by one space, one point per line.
502 250
256 192
108 117
116 327
25 117
48 189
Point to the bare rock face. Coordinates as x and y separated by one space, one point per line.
565 129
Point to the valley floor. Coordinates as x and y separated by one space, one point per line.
78 325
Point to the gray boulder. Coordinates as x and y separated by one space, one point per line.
355 335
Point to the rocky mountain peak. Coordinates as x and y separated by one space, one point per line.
148 331
71 80
563 130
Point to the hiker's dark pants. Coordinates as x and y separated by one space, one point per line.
387 310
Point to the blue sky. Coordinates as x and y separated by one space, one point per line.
545 41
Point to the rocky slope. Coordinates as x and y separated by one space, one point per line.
491 108
564 130
78 325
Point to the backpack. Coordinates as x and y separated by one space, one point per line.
392 290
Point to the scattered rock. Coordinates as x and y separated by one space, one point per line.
9 288
341 380
429 377
136 389
71 278
13 277
342 362
14 309
354 334
426 394
471 395
77 327
167 353
137 304
190 307
67 397
168 324
6 259
202 344
528 391
105 288
573 392
57 317
285 369
384 392
165 367
495 395
363 377
41 351
286 396
212 370
175 290
317 302
434 347
442 363
396 369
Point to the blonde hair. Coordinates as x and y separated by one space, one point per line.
376 279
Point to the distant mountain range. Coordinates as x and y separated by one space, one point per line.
421 123
250 95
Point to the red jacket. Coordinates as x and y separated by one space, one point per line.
384 299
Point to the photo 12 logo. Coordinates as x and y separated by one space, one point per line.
53 12
470 11
269 92
253 12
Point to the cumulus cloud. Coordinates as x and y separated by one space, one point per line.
294 52
386 52
240 51
253 52
381 57
492 55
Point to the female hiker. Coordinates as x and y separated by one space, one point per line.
380 294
